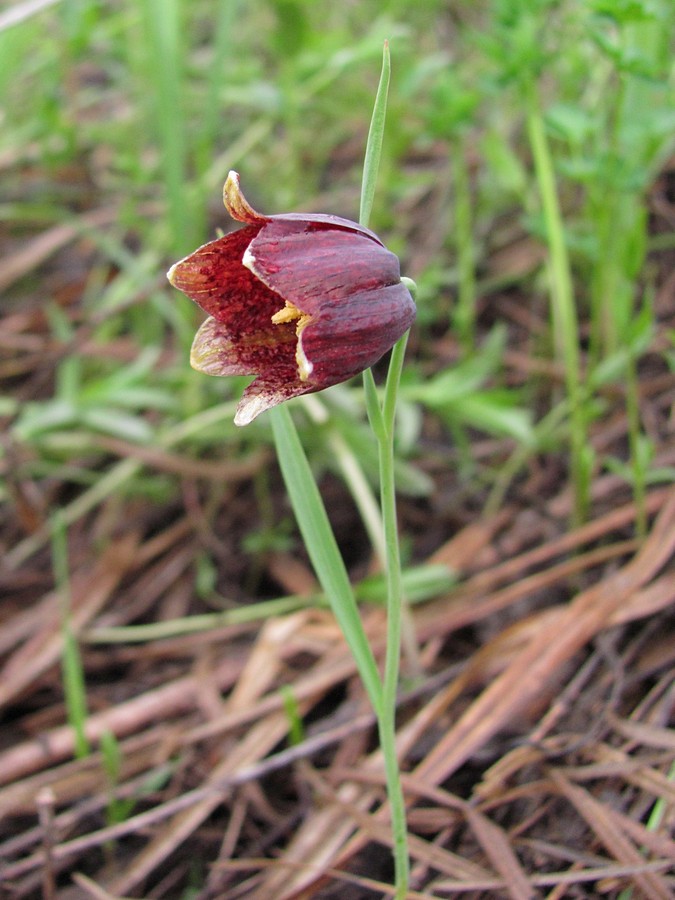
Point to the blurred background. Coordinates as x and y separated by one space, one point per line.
528 186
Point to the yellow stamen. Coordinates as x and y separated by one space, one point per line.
291 313
288 314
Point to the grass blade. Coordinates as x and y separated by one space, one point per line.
322 548
371 163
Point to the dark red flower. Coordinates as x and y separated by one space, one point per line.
301 301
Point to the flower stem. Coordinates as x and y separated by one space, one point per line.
329 567
564 315
386 715
382 422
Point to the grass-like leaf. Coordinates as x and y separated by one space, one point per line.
322 547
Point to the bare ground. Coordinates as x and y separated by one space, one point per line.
535 721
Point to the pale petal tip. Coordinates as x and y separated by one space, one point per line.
259 397
249 408
236 204
231 183
201 360
248 260
204 355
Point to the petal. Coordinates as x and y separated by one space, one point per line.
340 343
325 219
215 279
214 352
268 391
311 264
237 205
218 350
349 285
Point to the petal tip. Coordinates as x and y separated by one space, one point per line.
201 361
204 353
248 260
249 409
236 204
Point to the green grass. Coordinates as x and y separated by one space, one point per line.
143 108
72 670
546 119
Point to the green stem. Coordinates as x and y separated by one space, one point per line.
565 325
382 422
164 32
465 312
74 687
395 608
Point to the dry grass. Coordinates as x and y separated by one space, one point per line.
534 725
535 740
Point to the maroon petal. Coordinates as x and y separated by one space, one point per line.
347 283
340 343
309 263
268 390
218 351
215 279
325 219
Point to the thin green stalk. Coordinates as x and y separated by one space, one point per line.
565 325
395 609
382 422
465 312
224 44
194 624
74 688
164 31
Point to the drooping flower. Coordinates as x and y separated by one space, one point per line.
301 301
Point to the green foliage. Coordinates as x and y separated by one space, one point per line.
140 109
296 730
548 119
74 687
118 810
462 398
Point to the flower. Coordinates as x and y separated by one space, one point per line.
301 301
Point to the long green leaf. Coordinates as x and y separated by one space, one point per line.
322 548
371 162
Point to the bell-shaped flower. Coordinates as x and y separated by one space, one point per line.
301 301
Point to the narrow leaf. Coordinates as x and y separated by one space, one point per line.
371 163
321 545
